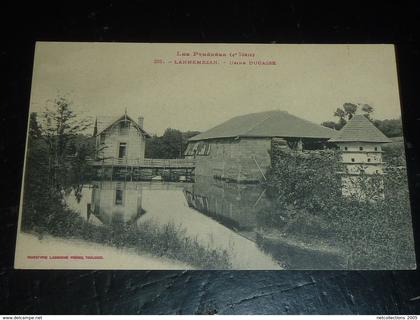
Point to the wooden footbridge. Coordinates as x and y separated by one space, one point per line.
144 169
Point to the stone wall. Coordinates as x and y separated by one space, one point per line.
235 159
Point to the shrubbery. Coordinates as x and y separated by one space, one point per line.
372 234
44 212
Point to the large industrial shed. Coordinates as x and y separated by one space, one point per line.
240 148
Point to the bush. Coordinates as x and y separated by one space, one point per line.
50 216
373 234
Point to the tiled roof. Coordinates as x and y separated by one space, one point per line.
104 122
267 124
360 129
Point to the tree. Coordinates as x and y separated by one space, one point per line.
171 145
346 112
34 129
56 161
329 124
58 128
390 127
367 110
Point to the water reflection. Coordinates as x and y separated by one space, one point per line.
219 215
163 203
240 208
116 202
234 205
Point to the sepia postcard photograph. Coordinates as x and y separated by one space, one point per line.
147 156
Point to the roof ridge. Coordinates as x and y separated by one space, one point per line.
270 123
312 123
366 131
110 124
260 122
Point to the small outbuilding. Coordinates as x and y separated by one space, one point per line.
360 143
240 149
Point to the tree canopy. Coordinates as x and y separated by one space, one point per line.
390 127
171 145
346 112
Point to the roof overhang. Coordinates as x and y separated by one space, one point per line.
125 117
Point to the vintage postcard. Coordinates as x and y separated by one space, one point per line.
214 156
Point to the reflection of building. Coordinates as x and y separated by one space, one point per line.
234 205
120 138
120 151
240 148
360 144
116 202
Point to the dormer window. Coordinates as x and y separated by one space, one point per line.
102 138
123 128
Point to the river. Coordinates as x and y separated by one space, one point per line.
219 215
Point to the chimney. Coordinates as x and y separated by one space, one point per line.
141 120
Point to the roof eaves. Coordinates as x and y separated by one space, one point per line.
361 140
145 133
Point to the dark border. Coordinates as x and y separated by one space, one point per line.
222 292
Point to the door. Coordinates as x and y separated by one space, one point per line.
122 150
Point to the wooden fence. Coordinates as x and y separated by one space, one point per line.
145 163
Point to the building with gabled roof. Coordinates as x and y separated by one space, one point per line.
120 138
240 149
361 154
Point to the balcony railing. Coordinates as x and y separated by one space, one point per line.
146 163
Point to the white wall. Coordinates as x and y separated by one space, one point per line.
369 159
111 138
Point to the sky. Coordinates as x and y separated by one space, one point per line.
309 81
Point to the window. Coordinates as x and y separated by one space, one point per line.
203 148
377 171
194 150
122 150
207 152
361 148
199 148
368 159
189 150
119 196
102 138
345 148
376 148
352 159
124 127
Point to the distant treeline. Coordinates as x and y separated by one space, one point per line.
170 145
389 127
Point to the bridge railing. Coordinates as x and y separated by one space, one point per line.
147 163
